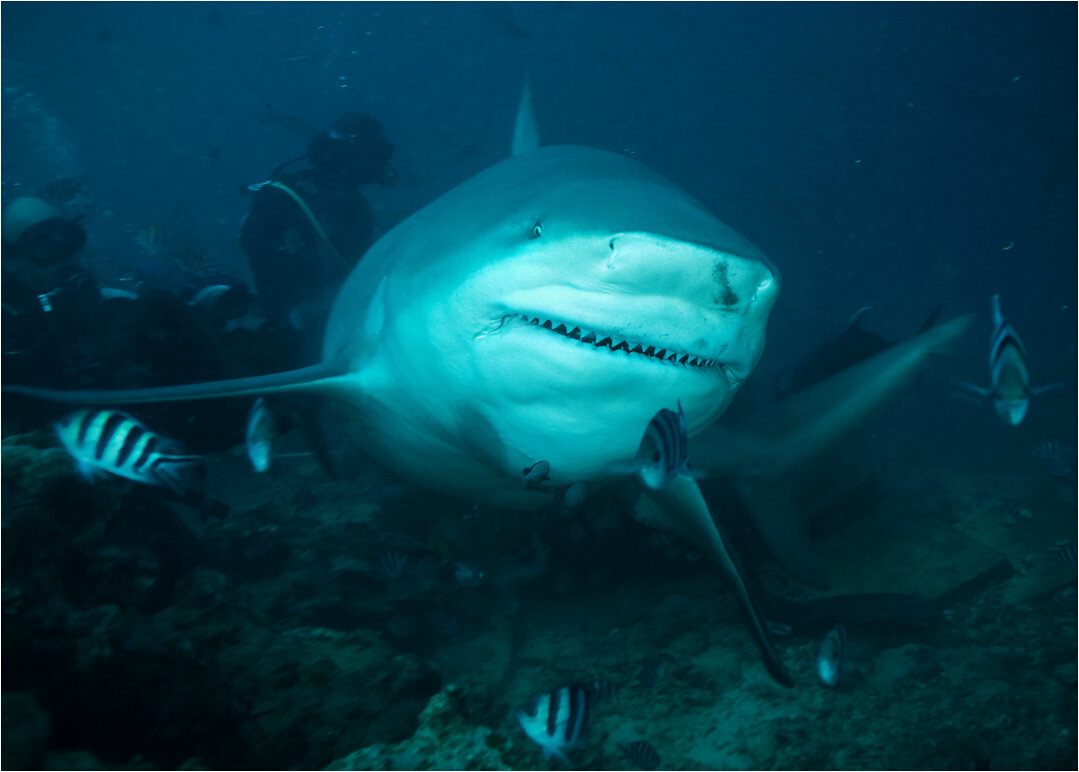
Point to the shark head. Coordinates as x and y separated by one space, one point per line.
546 310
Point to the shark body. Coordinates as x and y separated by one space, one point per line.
539 315
543 311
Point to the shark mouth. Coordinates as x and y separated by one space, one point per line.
602 340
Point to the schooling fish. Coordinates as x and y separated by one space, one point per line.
1009 379
663 453
556 720
830 658
108 441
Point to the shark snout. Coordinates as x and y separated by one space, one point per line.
712 278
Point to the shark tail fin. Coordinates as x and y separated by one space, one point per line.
764 456
525 131
321 377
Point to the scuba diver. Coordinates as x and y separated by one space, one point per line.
44 292
61 329
40 245
308 228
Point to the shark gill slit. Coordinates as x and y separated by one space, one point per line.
601 340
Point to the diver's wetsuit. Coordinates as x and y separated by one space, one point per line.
292 269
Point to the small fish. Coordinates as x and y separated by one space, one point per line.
641 754
296 59
1009 380
469 575
108 441
599 691
260 435
249 322
662 454
153 239
652 672
556 720
830 658
1049 449
190 255
207 295
112 293
575 532
536 474
778 628
1065 553
1059 459
391 566
660 540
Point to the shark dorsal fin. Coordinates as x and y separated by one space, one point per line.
525 133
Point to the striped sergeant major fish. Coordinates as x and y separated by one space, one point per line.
830 657
556 720
1009 380
663 453
110 442
641 754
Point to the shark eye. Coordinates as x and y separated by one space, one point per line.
535 231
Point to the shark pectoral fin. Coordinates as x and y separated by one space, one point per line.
778 520
680 507
327 376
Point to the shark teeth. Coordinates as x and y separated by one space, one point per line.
617 344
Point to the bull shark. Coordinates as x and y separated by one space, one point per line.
543 312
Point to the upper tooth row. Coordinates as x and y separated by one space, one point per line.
591 337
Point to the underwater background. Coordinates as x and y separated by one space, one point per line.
898 156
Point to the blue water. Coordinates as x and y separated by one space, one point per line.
901 156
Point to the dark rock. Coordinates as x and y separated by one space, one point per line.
26 727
